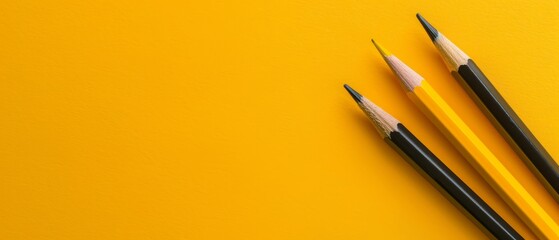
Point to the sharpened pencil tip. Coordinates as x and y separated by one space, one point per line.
354 94
431 31
381 50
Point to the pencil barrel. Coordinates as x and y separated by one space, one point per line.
510 125
443 178
483 160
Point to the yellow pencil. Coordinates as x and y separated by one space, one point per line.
472 148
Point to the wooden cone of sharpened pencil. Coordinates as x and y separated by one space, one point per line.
478 86
472 148
411 149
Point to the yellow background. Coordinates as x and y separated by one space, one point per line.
228 120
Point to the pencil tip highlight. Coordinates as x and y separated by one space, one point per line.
381 50
431 31
354 94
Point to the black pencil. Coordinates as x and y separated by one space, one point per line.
497 110
411 149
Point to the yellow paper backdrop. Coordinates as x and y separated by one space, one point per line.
228 120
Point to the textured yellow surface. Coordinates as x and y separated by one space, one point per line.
228 120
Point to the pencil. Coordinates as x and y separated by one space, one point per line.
497 110
472 148
411 149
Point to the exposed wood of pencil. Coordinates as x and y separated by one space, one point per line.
497 109
473 149
405 143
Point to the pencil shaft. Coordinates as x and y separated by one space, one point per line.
483 160
413 150
507 121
